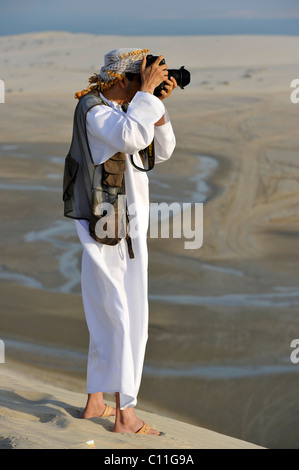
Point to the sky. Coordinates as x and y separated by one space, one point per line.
135 17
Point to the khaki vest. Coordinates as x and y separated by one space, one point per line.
87 187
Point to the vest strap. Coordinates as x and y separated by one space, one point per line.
130 247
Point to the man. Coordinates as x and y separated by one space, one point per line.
113 281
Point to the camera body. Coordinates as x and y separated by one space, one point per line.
181 75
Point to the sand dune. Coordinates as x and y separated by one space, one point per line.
37 415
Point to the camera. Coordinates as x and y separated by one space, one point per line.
182 76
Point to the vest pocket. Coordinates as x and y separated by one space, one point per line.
107 223
113 170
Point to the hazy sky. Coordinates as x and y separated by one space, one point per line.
135 16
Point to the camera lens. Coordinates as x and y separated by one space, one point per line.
182 76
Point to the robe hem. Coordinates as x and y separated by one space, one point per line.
130 399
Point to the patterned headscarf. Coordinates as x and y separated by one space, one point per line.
117 63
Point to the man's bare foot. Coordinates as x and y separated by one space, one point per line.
95 406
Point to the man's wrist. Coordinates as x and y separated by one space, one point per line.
161 122
146 90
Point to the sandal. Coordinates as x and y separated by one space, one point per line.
107 411
145 429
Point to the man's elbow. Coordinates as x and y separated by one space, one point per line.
163 154
135 142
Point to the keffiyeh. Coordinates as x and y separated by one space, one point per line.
117 63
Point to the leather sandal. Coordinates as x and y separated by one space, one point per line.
145 429
107 411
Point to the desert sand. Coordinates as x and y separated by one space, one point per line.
39 415
217 371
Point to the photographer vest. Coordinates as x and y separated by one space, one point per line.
95 192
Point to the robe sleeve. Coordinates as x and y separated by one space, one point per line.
164 140
127 133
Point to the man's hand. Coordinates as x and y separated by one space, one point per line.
153 75
170 85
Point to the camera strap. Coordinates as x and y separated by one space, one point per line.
147 156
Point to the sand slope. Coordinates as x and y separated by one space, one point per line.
37 415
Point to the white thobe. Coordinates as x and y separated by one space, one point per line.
115 287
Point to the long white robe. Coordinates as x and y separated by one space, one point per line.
115 287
